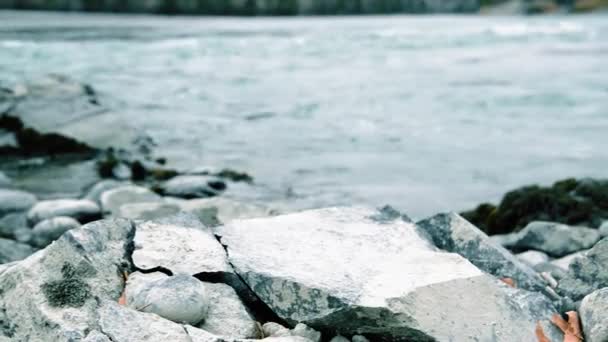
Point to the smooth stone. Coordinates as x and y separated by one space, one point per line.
15 200
533 258
94 193
180 244
339 339
340 269
13 251
187 186
51 229
587 273
147 211
5 182
112 200
359 338
227 316
452 233
217 210
10 223
594 316
23 234
505 240
556 239
82 210
180 298
565 261
603 229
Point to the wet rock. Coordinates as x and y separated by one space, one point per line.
227 316
147 211
339 338
12 251
603 229
94 194
15 200
51 229
533 258
179 298
593 316
564 262
453 233
10 223
55 292
569 201
113 199
217 210
555 239
82 210
5 182
587 273
187 186
337 269
359 338
180 244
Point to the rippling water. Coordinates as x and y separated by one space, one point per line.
426 113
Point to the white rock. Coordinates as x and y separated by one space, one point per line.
359 338
147 211
15 200
94 194
51 229
81 210
594 316
533 258
340 269
112 200
275 330
224 209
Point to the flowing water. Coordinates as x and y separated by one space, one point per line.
427 113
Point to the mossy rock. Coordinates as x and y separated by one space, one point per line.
71 290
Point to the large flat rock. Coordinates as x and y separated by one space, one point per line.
353 271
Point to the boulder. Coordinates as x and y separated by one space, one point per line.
342 270
12 251
51 229
603 229
180 298
555 239
593 316
180 244
587 273
82 210
454 234
193 186
112 200
94 193
10 223
533 258
147 211
216 210
15 200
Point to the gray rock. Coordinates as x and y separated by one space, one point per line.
555 271
5 182
228 317
112 200
79 209
453 233
338 269
53 294
603 229
210 210
505 240
9 223
273 329
15 200
94 194
96 336
51 229
23 234
359 338
556 239
564 262
179 298
179 244
12 251
339 338
593 316
188 186
305 331
533 258
587 273
147 211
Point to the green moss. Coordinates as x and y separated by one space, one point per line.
70 291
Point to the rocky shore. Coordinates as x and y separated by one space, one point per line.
139 251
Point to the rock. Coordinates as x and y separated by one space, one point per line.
339 338
113 199
505 240
94 194
217 210
12 251
569 201
275 330
23 234
179 244
51 229
303 330
533 258
5 182
593 316
147 211
554 270
15 200
359 338
564 262
587 273
54 293
454 234
339 269
603 229
10 223
555 239
187 186
179 298
82 210
96 336
227 316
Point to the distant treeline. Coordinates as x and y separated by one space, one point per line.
249 7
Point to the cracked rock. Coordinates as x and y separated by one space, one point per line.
339 270
82 210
